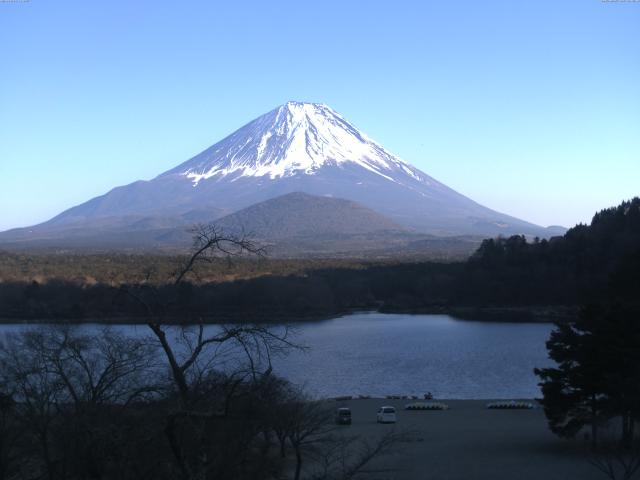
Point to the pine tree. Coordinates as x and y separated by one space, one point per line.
597 376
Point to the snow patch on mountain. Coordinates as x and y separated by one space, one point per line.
295 138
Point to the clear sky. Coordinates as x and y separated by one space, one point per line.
528 107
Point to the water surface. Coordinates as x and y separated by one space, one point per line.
381 354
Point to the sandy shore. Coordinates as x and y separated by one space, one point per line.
471 442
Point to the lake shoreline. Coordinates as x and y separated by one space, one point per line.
506 314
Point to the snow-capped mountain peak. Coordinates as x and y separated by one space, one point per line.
293 139
296 149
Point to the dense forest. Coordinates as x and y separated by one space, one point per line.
590 262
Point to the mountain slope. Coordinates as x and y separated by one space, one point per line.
302 225
302 215
297 147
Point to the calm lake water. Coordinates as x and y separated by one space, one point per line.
381 354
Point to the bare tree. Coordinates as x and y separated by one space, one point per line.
109 368
25 375
309 426
348 457
211 241
67 386
194 353
10 434
258 342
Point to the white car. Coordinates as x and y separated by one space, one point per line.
387 414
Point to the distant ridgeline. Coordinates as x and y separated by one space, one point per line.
599 262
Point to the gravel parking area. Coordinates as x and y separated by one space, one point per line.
469 441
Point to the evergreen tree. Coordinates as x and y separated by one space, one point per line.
597 376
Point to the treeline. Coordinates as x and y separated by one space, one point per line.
589 263
116 268
595 381
317 293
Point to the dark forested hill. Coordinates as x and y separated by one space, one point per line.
587 263
300 215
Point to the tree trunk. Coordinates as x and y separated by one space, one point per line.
174 445
176 371
298 463
626 430
44 442
266 435
594 422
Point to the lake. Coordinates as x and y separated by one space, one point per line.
382 354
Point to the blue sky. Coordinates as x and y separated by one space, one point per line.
528 107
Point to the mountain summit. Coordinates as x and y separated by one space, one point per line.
295 138
297 147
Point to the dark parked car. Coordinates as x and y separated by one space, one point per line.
343 416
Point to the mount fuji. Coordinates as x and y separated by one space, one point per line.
297 147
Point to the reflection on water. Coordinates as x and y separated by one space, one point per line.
380 354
